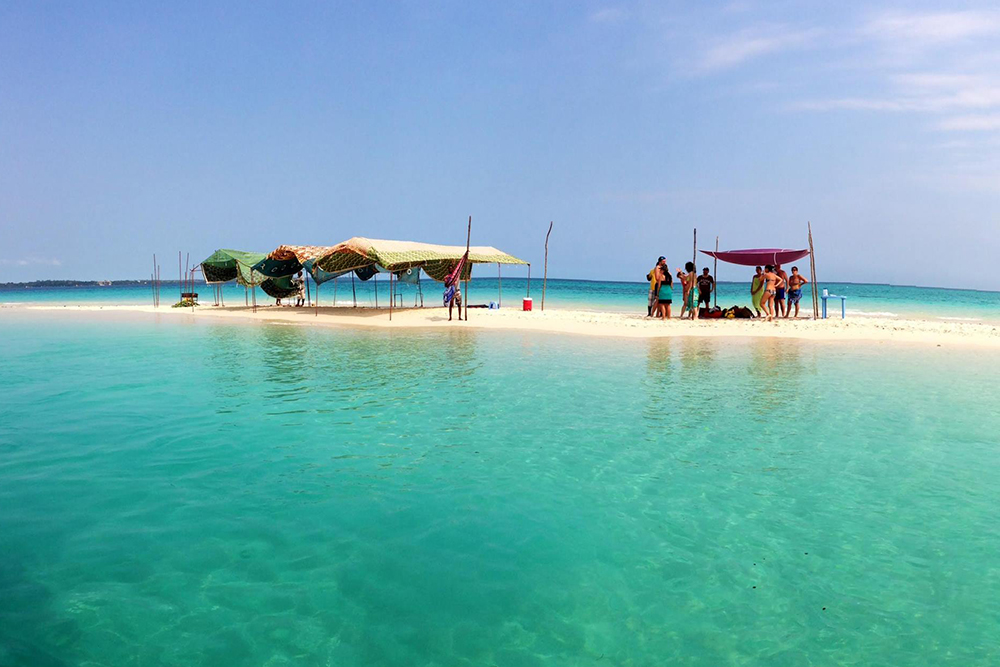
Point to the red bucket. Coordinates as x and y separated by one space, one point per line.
527 304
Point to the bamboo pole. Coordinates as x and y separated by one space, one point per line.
527 294
317 299
392 297
545 272
305 277
499 287
715 274
465 297
694 254
812 273
354 292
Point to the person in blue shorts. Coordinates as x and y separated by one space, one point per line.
779 297
795 284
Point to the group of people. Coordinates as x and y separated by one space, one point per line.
695 290
775 292
772 291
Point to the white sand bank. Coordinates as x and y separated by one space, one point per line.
577 322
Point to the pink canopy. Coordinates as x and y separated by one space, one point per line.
758 256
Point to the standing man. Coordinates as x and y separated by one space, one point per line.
795 283
757 290
689 280
779 297
651 307
706 285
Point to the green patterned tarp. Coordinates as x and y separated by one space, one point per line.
225 265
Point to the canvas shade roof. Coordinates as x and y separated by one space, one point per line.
225 265
436 260
287 260
758 256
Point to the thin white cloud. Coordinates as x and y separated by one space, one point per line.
608 15
973 123
927 92
912 30
751 43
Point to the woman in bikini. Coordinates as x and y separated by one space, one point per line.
664 291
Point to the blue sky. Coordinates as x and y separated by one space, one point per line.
133 128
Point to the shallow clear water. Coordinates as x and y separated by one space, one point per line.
207 494
863 299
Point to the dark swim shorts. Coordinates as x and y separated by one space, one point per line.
794 296
781 294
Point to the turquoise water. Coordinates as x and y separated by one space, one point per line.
225 494
863 299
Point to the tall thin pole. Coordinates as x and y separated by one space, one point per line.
468 241
694 255
317 299
545 273
180 276
715 273
305 277
335 281
528 292
375 278
391 296
812 273
354 292
499 287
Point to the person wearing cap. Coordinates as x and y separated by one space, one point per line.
653 302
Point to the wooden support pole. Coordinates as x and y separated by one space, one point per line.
715 274
317 299
465 297
499 287
305 277
694 254
527 294
812 273
392 297
545 271
375 278
354 292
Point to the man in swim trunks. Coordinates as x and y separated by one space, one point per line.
757 290
795 283
651 307
690 282
779 296
706 285
771 282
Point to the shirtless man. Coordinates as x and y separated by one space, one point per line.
795 283
779 297
771 282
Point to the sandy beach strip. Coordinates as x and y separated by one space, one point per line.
565 321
